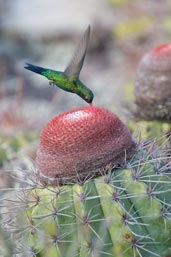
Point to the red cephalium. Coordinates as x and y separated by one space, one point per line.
81 143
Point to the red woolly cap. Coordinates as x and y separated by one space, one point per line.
81 142
161 50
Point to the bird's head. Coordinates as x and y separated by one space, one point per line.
86 94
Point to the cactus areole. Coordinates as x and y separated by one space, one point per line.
80 144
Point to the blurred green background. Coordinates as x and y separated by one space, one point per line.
46 33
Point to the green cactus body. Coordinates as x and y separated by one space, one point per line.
122 213
152 129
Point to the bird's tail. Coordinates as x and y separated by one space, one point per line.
35 68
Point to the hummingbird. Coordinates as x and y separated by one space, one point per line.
69 79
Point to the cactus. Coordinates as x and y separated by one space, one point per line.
152 129
120 211
153 93
153 84
124 212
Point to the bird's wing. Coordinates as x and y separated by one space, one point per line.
73 69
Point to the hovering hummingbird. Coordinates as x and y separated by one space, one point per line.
69 79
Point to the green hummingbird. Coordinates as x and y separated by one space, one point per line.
69 79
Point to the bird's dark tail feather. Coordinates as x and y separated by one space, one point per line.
34 68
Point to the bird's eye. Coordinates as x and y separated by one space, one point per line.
86 98
51 83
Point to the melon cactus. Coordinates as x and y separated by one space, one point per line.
153 84
122 209
153 92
